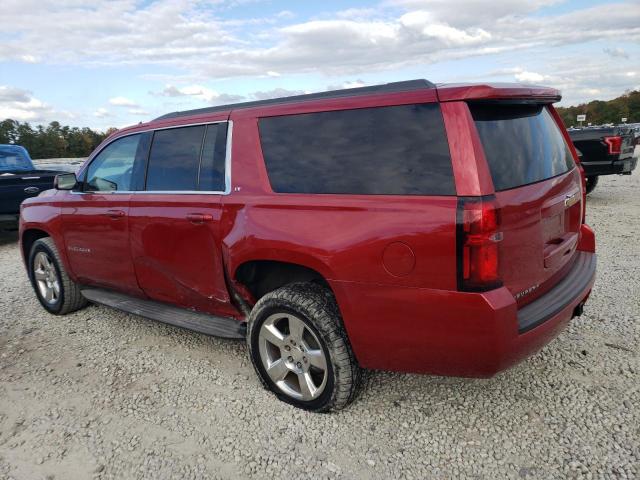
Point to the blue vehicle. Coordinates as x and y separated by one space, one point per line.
19 179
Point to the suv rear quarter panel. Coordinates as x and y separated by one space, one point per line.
343 237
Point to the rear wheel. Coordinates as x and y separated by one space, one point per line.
57 293
300 350
591 183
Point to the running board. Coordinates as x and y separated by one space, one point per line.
198 322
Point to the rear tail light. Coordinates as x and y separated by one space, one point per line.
614 143
478 241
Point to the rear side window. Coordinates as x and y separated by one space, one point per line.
188 159
398 150
522 143
174 159
213 157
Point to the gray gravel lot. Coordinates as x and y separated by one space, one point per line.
108 395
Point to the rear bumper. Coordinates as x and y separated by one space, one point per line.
563 294
456 333
607 167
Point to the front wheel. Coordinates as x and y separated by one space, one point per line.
300 350
57 293
591 183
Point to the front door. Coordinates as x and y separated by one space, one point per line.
95 222
175 221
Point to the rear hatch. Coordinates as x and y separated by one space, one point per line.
538 194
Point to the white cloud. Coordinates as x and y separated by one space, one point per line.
616 52
102 113
468 13
199 92
138 111
29 59
529 77
21 105
191 37
276 93
122 102
423 22
13 95
348 84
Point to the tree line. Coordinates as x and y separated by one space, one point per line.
599 112
53 140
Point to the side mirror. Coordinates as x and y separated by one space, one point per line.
65 181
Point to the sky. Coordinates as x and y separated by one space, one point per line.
112 63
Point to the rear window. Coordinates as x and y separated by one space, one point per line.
522 143
398 150
14 160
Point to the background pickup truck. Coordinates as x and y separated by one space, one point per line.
605 151
19 179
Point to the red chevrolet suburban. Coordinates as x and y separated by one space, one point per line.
408 226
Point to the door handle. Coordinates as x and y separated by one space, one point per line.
199 217
115 214
31 190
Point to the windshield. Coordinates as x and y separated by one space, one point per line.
14 160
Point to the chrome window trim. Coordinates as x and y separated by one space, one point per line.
227 165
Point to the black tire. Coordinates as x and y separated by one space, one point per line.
316 306
591 183
69 298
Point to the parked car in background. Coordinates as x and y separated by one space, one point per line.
605 151
406 226
19 179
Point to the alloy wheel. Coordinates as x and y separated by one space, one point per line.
292 356
46 277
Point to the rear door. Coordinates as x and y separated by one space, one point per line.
538 193
175 219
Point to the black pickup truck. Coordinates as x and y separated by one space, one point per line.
19 179
604 151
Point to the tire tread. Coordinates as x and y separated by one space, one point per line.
318 304
72 298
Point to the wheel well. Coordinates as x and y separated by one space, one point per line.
263 276
28 239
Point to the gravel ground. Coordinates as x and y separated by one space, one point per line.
103 394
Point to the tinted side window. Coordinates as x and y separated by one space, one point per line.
112 168
212 166
174 159
522 143
398 150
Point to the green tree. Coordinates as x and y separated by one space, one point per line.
599 112
53 141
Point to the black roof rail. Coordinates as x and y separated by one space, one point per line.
393 87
